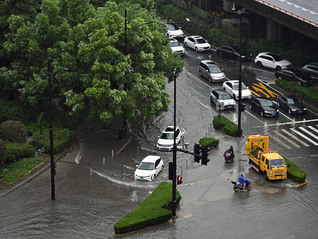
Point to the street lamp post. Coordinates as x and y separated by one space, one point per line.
51 129
240 12
174 160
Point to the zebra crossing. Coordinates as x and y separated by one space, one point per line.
298 137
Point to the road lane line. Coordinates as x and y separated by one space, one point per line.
308 132
287 139
295 138
280 142
303 136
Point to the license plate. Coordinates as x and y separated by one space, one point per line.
273 114
164 148
229 107
300 112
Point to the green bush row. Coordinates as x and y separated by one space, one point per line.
20 169
13 131
61 138
18 151
228 126
308 94
209 142
294 172
155 209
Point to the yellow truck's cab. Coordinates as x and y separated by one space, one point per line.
262 160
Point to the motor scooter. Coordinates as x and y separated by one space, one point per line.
229 155
242 188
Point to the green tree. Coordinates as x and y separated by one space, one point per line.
117 77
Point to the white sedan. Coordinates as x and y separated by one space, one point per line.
165 141
232 87
197 43
149 168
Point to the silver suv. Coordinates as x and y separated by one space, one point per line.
211 71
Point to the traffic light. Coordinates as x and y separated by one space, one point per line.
179 179
196 151
205 154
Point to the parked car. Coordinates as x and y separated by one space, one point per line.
165 141
311 69
264 107
174 30
149 168
233 52
176 47
223 99
292 104
295 75
232 87
197 43
211 71
271 60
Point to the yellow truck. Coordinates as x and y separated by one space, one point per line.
264 161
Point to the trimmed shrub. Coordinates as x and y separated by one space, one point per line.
209 142
13 131
294 172
17 151
3 153
155 209
228 126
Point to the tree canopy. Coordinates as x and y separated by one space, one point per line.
112 70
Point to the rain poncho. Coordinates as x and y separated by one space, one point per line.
242 180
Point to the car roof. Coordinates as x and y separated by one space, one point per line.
150 159
233 81
209 62
169 128
221 91
196 36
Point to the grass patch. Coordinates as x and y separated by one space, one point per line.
20 169
294 172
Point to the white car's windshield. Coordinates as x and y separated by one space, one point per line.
276 163
225 97
146 166
200 41
214 69
166 135
174 43
236 87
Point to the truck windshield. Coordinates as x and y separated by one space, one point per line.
277 163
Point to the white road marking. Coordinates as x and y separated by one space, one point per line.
303 136
280 142
287 139
308 132
295 138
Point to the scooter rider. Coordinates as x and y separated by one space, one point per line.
229 154
243 182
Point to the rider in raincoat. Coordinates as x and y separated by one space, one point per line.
242 181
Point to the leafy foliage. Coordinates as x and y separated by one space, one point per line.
13 131
112 70
12 111
229 127
18 151
3 152
209 142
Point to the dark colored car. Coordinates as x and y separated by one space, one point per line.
311 69
233 52
295 75
264 106
292 104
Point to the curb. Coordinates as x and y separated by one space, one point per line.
302 184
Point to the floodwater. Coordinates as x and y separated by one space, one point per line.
95 189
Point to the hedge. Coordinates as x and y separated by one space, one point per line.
155 209
294 172
209 142
3 153
228 126
17 151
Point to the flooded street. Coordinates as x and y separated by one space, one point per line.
94 190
